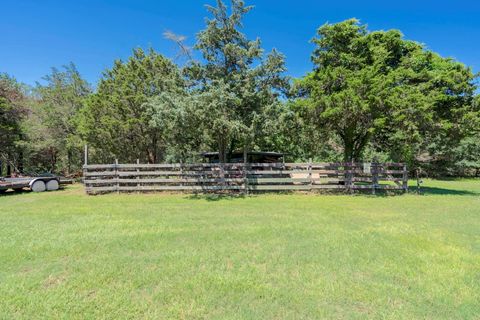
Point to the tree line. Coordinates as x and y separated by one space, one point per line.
371 95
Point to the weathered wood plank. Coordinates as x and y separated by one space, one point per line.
172 180
178 165
100 181
276 180
179 188
101 189
275 172
234 176
328 186
390 171
98 166
99 173
174 173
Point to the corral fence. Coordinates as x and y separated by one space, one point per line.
244 177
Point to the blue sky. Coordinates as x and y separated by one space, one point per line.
38 35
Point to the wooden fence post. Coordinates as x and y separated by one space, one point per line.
116 176
405 178
349 176
85 161
85 170
181 174
310 178
417 173
245 175
138 176
222 176
374 173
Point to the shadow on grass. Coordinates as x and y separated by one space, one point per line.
11 193
456 178
378 194
442 191
215 196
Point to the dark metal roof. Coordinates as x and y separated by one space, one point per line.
240 153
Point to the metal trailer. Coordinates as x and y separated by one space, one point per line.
36 184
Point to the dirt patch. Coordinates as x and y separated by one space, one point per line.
53 281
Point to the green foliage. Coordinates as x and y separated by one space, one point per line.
236 84
12 111
467 156
371 95
376 87
433 110
116 121
177 116
52 141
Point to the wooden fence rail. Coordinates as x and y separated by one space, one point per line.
240 177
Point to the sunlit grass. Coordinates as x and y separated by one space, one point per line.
67 255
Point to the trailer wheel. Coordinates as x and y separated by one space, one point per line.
38 186
52 185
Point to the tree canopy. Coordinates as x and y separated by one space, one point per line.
376 87
235 82
370 95
115 121
12 111
51 128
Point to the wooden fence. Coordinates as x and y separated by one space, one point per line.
244 178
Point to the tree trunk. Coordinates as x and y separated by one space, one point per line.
69 161
151 156
348 149
222 149
230 151
20 161
354 146
152 150
53 160
360 144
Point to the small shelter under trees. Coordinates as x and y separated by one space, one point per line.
252 157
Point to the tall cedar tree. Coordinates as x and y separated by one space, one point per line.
116 121
52 140
12 111
235 83
376 86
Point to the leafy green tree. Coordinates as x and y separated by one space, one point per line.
180 118
299 137
432 110
467 156
236 84
116 121
51 138
12 111
377 88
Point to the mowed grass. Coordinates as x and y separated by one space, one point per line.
71 256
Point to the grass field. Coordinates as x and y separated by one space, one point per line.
67 255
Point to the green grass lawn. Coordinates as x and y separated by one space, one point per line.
71 256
